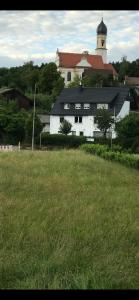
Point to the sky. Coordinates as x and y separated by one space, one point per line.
36 35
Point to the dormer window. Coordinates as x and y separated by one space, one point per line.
102 106
66 106
77 106
86 105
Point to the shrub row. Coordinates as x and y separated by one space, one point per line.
67 141
130 160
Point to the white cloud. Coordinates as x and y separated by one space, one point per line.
37 34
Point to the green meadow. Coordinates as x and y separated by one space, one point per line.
68 220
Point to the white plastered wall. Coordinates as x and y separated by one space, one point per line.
87 125
74 72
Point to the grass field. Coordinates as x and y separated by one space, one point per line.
68 220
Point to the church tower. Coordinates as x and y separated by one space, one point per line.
101 41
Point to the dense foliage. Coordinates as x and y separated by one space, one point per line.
48 81
129 160
66 141
104 120
128 131
16 125
94 80
125 67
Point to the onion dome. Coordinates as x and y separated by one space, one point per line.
102 29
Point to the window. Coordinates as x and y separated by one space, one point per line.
86 105
78 119
69 76
61 119
102 42
77 106
67 106
102 105
81 133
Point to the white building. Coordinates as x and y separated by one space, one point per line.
79 106
72 64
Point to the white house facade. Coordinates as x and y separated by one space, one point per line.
79 107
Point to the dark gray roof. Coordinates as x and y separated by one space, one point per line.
113 96
45 119
102 29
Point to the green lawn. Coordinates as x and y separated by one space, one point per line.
69 220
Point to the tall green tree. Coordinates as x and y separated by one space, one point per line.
128 130
104 120
123 70
12 123
48 77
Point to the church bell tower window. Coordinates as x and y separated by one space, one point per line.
102 42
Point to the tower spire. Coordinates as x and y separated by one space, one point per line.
101 40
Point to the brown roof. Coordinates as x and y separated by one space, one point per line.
70 60
110 67
132 80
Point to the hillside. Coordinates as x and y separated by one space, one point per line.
68 220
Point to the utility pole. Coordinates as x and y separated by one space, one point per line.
33 125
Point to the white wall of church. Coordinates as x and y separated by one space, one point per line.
74 72
103 53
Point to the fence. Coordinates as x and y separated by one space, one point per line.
9 147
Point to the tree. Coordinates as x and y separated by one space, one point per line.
75 83
104 120
65 127
12 122
48 77
128 130
58 87
124 67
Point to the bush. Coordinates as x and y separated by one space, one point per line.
129 160
68 141
128 130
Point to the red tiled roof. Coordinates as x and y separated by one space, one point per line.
110 67
70 60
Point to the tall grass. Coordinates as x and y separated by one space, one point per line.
69 220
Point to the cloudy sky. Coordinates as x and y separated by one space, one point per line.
36 35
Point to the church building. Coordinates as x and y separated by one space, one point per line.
72 64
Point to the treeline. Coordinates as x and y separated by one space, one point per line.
125 67
24 77
48 81
16 125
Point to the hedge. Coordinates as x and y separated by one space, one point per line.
129 160
67 141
